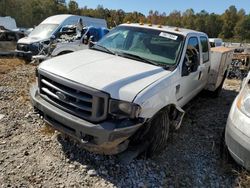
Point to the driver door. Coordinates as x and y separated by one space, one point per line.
189 83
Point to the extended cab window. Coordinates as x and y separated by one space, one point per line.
205 49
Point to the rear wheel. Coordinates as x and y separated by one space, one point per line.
217 92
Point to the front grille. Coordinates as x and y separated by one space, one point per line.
28 47
81 101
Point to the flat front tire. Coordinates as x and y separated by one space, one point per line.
158 133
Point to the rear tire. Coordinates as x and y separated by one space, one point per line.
217 92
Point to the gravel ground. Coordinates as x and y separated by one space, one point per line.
34 155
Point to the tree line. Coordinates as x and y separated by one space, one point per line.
233 24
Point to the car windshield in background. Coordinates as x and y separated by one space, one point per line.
153 45
43 31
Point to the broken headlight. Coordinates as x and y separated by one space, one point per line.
123 109
243 102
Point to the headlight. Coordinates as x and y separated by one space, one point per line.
123 109
243 102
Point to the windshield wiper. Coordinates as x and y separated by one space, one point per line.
102 48
145 60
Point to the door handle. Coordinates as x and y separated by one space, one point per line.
199 75
208 71
177 88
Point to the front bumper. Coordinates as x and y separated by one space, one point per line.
238 143
103 138
23 54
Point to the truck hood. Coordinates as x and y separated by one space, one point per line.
122 78
29 40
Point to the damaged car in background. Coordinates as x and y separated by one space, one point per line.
68 42
50 28
129 88
8 40
237 134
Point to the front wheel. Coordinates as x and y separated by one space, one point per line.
154 134
158 133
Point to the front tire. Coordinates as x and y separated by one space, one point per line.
158 133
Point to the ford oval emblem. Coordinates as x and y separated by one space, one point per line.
61 96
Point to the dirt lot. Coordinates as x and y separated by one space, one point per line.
33 155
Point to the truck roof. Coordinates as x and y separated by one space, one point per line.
171 29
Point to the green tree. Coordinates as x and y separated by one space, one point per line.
229 18
213 25
174 19
73 7
200 20
242 29
188 19
134 17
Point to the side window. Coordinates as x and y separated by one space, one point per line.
194 43
192 57
193 50
205 49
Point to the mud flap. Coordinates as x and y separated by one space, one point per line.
178 120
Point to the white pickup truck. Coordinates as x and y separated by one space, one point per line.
128 89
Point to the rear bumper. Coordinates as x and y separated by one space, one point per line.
103 138
237 142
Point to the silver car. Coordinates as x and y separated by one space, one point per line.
237 134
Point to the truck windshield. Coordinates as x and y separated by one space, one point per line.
149 44
43 31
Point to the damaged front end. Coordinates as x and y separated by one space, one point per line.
107 137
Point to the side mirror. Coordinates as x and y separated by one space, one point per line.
91 41
85 39
91 44
52 38
91 38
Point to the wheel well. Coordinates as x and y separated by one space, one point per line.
175 115
65 52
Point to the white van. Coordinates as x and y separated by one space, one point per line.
30 45
8 23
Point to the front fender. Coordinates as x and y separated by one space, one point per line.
61 49
68 47
156 96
